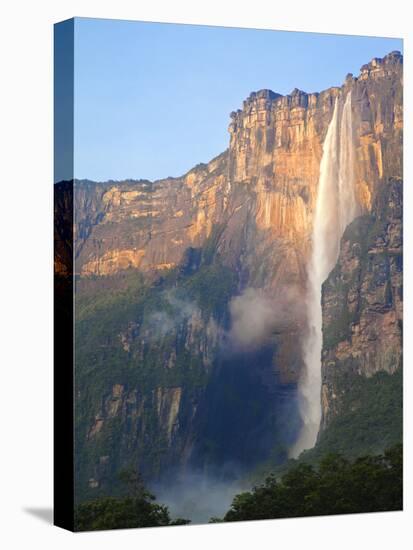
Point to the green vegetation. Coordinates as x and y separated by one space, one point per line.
370 420
133 332
338 328
208 282
363 235
120 513
211 287
336 486
137 509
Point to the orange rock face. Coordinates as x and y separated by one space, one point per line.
272 164
260 193
253 207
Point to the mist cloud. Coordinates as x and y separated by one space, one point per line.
176 311
256 315
198 497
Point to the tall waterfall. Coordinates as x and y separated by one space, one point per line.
335 208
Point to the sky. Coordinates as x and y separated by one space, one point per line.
152 100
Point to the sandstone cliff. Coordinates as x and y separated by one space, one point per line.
363 301
362 298
275 151
159 265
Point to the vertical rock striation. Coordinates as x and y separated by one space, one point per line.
363 301
362 297
240 224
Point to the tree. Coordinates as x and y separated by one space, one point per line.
137 509
337 486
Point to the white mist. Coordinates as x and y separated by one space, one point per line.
335 208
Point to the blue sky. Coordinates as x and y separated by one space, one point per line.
152 100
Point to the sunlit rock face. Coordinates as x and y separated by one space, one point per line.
271 170
276 144
146 225
253 208
362 298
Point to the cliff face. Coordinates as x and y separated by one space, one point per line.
154 370
363 301
276 146
146 225
362 298
171 275
271 170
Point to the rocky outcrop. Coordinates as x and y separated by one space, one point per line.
126 407
242 221
362 298
269 175
146 225
363 301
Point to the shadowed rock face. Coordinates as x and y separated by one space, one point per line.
250 210
363 300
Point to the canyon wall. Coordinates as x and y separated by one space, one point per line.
363 301
362 298
160 266
271 171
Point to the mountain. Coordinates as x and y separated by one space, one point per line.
190 291
363 323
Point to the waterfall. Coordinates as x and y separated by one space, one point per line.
346 181
335 208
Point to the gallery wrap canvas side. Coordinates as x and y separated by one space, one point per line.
228 274
63 275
